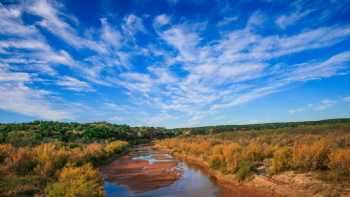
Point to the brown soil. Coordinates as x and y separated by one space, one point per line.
140 175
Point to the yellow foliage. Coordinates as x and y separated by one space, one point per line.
232 154
5 151
94 149
50 159
115 147
253 152
311 157
340 160
282 159
82 181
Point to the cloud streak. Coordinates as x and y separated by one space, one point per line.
162 63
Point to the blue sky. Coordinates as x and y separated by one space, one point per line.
174 63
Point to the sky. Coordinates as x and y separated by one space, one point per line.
174 63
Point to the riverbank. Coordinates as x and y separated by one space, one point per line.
227 181
289 183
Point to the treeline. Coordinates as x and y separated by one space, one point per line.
33 133
323 149
55 169
262 126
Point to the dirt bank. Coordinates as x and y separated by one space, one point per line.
289 183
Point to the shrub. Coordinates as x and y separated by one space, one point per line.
244 170
21 138
282 159
339 161
50 159
311 157
253 152
81 181
115 147
232 154
94 152
217 162
21 162
5 151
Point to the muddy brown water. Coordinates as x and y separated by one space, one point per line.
147 172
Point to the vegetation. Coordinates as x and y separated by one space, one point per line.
45 158
37 132
320 148
54 169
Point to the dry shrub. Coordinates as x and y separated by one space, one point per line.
232 154
5 151
339 161
50 159
311 157
253 152
115 147
94 152
21 162
77 181
282 159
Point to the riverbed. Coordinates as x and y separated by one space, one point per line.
147 172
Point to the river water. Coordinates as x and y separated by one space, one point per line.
146 172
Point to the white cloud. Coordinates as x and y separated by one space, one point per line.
287 20
115 119
296 110
227 20
18 97
53 23
133 24
109 35
346 99
182 70
10 22
255 20
74 84
21 99
324 104
161 20
184 40
8 76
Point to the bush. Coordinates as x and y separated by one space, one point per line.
94 152
115 147
50 159
217 162
81 181
244 170
253 152
339 161
232 154
311 157
21 162
5 151
282 159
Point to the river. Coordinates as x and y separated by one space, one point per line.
147 172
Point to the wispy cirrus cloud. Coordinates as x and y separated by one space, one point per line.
171 67
74 84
